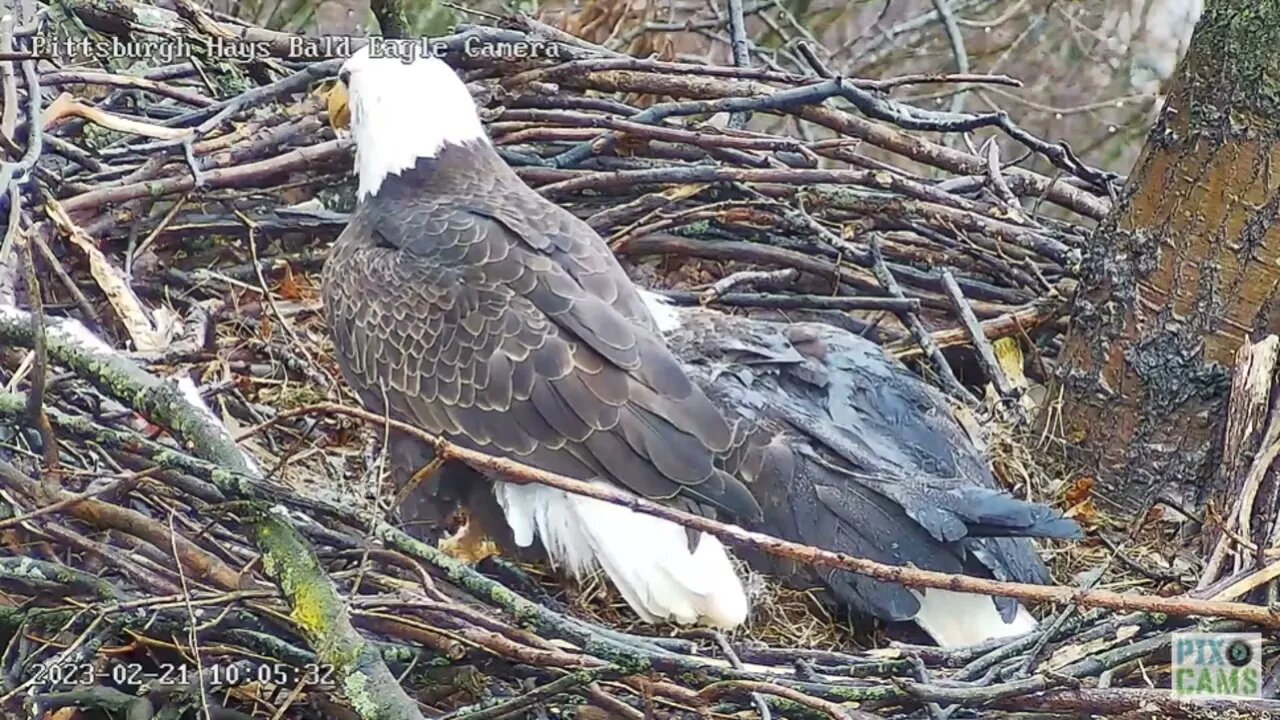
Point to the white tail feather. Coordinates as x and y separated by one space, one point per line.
956 619
646 557
665 315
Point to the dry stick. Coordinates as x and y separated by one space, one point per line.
205 565
1015 323
536 696
998 184
941 203
726 649
316 606
55 263
986 355
56 79
8 82
718 690
582 69
741 54
312 367
807 52
805 103
842 271
539 29
67 106
1248 439
192 632
35 139
35 414
910 577
914 147
1115 702
1249 582
11 172
753 278
241 176
70 500
918 331
779 301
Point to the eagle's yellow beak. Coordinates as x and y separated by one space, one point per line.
336 101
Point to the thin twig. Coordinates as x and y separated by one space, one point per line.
986 355
794 302
192 637
741 50
908 576
918 331
958 52
40 370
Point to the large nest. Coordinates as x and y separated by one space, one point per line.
194 513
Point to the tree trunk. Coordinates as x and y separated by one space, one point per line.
1184 271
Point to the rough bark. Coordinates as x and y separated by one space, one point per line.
1184 270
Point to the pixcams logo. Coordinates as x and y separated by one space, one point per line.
1217 664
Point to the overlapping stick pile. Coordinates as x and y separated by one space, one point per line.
192 513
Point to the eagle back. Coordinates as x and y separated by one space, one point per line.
847 450
460 315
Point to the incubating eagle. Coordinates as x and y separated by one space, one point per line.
462 302
850 451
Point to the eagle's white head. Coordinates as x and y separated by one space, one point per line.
402 111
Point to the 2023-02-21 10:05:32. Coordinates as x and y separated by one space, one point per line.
163 673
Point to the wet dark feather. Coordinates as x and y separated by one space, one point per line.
851 452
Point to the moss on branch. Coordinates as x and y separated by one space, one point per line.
364 678
321 615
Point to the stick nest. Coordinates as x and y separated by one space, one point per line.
190 530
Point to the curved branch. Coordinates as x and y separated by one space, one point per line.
319 609
910 577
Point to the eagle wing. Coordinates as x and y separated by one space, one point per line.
548 229
853 453
455 321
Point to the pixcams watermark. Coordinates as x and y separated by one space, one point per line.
1217 665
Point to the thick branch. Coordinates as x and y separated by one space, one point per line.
910 577
305 586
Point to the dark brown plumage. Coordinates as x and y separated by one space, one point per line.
847 450
462 302
852 452
481 311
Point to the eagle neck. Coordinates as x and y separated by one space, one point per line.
376 165
458 169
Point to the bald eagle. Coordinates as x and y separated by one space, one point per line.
463 302
852 452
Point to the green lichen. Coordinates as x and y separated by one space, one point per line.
320 614
286 557
355 687
155 17
1234 68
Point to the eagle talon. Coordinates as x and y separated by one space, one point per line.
469 545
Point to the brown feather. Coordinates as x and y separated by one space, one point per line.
501 321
